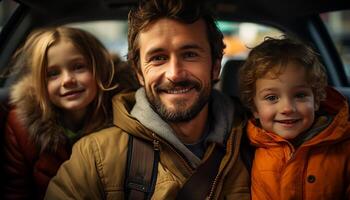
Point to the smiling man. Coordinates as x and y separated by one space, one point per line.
176 50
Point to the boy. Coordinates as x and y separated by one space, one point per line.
300 127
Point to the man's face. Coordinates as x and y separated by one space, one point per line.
176 68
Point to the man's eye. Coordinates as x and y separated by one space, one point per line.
271 98
158 58
190 55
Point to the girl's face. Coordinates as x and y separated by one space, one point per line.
71 85
285 105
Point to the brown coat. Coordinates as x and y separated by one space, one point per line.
96 169
318 169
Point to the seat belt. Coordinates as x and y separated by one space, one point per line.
142 165
199 184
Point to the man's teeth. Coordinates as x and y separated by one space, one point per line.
178 91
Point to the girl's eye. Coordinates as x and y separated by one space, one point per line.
52 73
79 66
271 98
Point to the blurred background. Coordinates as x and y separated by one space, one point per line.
239 37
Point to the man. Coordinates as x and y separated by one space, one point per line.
176 49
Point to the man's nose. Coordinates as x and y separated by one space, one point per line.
175 70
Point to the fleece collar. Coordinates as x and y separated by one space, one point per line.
221 111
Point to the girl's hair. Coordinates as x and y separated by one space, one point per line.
273 56
34 60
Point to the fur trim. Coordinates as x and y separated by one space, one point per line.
47 134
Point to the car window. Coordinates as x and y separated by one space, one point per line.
238 37
241 37
7 7
112 33
338 25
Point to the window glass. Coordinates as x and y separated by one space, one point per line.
240 37
338 25
7 7
113 34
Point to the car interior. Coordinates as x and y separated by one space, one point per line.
297 18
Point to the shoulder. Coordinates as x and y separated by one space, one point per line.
16 128
103 152
101 143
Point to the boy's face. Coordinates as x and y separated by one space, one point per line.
285 105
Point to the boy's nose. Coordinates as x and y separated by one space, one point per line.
288 107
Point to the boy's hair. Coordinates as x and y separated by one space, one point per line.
185 11
32 58
273 55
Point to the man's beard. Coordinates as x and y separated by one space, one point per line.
182 112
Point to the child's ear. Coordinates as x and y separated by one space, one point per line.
140 78
256 114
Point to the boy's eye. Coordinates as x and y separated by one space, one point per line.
271 98
300 95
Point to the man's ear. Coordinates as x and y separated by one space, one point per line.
216 69
140 78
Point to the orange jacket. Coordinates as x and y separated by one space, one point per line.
318 169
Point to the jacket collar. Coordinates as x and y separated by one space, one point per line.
46 134
134 114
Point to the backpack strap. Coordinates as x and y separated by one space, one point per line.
142 167
247 152
198 186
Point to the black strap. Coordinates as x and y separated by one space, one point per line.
199 184
142 165
247 152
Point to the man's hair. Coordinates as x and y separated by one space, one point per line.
185 11
273 56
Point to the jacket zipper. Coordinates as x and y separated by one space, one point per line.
215 182
157 146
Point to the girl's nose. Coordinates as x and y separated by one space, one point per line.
68 79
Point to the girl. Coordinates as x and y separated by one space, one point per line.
63 95
300 127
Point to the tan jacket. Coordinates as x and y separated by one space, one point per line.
96 169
